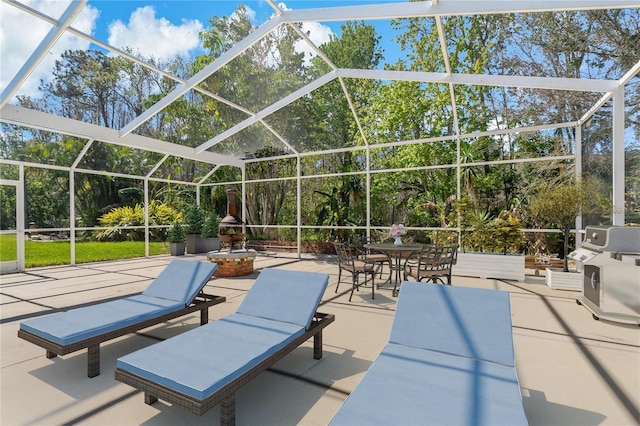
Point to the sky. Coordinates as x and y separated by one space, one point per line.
162 29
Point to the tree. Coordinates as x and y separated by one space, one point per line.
412 111
85 82
561 204
332 123
265 200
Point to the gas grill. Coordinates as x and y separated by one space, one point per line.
609 258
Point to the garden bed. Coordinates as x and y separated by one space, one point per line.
531 263
314 247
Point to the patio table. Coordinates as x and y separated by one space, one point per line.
396 254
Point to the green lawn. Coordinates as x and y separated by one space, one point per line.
46 253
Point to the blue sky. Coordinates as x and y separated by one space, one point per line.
159 28
178 11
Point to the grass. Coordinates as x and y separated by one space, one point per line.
47 253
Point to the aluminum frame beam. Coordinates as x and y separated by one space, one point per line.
605 98
67 126
70 13
268 110
550 83
447 8
201 75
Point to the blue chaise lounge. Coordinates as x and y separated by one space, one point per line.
177 291
449 361
202 368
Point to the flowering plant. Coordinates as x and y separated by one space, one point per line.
397 230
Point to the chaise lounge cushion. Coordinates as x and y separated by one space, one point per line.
289 296
425 387
199 362
469 322
174 289
79 324
278 309
181 281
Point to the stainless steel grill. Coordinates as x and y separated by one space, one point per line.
609 259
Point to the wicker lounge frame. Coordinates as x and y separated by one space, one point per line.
225 396
204 367
201 303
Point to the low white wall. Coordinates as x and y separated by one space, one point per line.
490 265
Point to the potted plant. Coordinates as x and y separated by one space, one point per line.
210 240
176 238
559 206
194 220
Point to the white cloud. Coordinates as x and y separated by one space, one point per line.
156 37
316 32
251 14
21 33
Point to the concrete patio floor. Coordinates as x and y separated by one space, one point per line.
572 369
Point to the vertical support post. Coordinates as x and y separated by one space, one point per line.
228 411
618 156
146 217
72 215
298 204
93 360
150 399
72 198
20 217
244 194
368 190
317 344
578 171
204 316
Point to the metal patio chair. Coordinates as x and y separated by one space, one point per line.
434 263
349 261
372 256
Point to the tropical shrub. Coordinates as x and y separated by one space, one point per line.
121 221
484 233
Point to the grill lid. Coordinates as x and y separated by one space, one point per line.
612 238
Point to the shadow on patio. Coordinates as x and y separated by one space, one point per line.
572 369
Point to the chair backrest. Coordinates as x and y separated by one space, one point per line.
454 254
287 296
181 280
469 322
428 259
447 255
437 258
358 248
343 251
